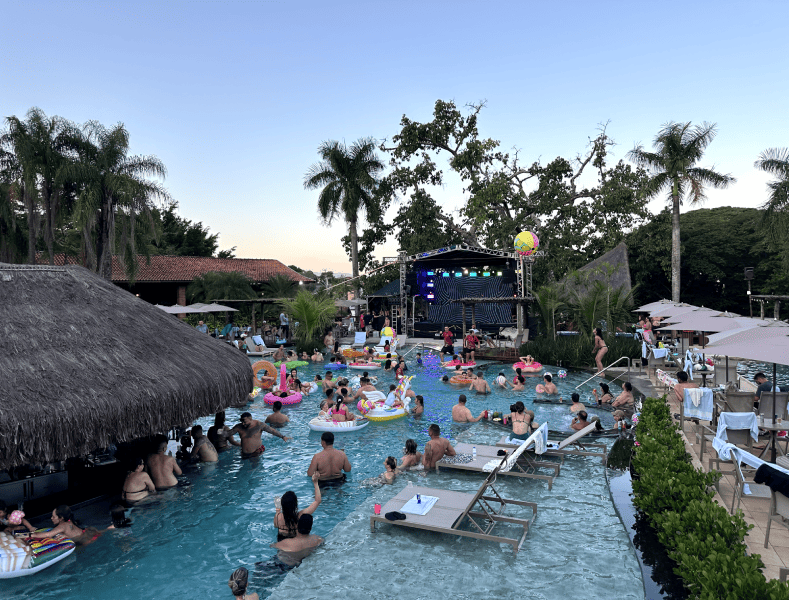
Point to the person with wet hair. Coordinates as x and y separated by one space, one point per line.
287 514
238 584
411 457
390 464
605 397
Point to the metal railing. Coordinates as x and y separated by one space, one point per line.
616 362
411 349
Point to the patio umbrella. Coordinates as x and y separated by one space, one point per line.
177 309
213 307
710 322
654 306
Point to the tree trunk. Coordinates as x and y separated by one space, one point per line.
354 252
675 257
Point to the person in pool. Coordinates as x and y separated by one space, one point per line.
218 432
419 406
527 360
579 421
239 582
203 450
620 422
290 382
280 354
436 448
316 356
328 381
390 464
605 397
445 379
522 421
501 381
163 468
576 406
276 418
65 526
330 464
461 414
19 524
287 513
138 483
412 457
625 400
549 387
419 358
250 431
479 384
519 384
293 550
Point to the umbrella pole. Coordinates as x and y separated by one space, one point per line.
727 368
775 417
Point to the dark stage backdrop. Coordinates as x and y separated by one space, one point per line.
445 289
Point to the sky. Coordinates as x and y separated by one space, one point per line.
235 97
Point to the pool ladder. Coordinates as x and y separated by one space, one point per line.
616 362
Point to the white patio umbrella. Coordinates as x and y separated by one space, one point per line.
176 309
213 307
710 322
654 306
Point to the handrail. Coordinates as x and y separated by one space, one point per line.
618 360
422 344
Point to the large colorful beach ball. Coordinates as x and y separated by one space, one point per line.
387 332
526 243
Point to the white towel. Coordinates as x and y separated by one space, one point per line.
695 395
731 452
698 403
737 420
659 352
644 351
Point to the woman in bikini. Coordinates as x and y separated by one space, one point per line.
287 513
391 470
290 382
521 421
138 483
339 413
606 397
412 457
599 347
66 527
239 582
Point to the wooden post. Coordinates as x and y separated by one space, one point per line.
761 305
463 312
473 319
254 326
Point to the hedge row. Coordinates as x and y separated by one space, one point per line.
576 351
701 537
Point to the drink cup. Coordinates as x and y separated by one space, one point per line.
377 509
418 499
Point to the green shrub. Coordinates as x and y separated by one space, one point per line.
576 351
701 537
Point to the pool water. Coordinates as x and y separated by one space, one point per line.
186 542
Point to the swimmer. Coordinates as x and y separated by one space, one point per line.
579 421
19 524
329 463
419 406
411 458
576 406
389 475
522 421
65 526
501 381
163 468
606 397
445 379
138 483
327 381
316 356
547 387
625 400
519 384
306 356
239 581
250 431
293 550
461 414
479 384
287 513
203 450
436 448
218 432
419 358
276 418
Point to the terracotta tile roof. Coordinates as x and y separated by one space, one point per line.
187 268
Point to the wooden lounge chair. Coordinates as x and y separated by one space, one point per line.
461 514
516 462
569 446
252 342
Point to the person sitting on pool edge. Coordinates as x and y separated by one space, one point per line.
436 448
579 421
276 418
329 463
461 414
250 431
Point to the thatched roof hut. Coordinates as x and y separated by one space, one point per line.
612 267
84 363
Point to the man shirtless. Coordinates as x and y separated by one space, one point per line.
202 450
479 384
250 430
293 550
280 354
365 386
329 463
328 381
549 385
276 418
436 448
625 400
461 414
163 468
681 385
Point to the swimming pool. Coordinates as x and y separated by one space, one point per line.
187 542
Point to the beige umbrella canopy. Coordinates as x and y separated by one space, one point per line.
654 306
213 307
712 322
177 309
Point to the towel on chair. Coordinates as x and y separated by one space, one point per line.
737 420
698 403
659 352
773 478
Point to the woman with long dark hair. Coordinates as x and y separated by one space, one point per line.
286 519
65 525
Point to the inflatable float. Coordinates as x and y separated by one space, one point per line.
351 353
17 559
458 380
357 366
271 398
375 409
335 367
455 363
535 367
292 364
269 376
322 424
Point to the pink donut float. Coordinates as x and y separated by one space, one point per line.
532 368
454 363
271 398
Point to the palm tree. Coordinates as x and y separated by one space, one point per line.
348 178
678 147
313 312
775 161
215 285
113 187
550 302
279 286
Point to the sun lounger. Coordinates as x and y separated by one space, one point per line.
517 462
457 513
359 339
252 350
569 446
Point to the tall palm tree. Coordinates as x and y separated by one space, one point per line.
113 187
678 147
279 286
775 161
348 179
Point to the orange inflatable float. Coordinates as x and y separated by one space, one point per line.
351 353
458 380
269 376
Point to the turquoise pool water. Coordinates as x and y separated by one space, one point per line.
185 543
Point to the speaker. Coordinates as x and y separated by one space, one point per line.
748 273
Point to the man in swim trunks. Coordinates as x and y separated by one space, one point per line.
203 450
293 550
329 463
449 339
217 434
479 384
461 414
250 430
276 418
436 448
163 468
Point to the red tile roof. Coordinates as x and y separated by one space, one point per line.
187 268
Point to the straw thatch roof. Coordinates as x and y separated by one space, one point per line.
85 363
613 267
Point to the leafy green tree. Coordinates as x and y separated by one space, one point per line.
348 179
678 148
216 285
419 227
13 242
775 161
113 187
313 312
279 286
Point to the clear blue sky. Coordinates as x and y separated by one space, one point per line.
234 97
